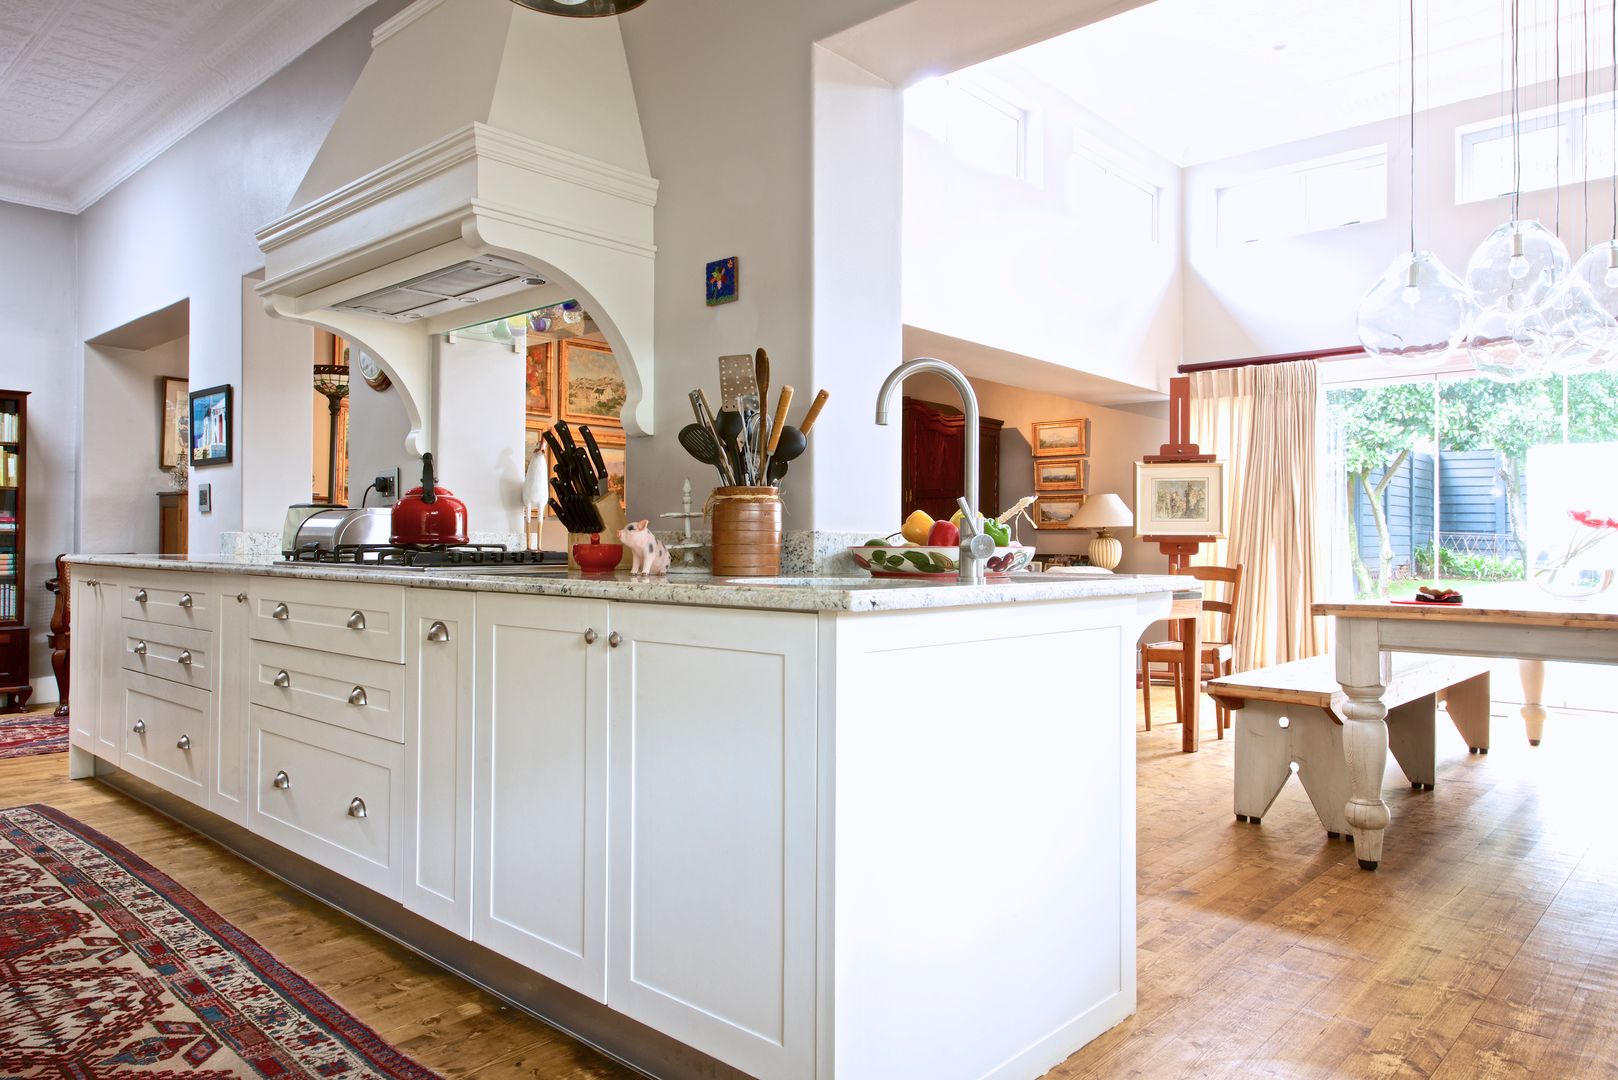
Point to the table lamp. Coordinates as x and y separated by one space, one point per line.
1103 512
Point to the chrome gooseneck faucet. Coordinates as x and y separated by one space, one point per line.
976 545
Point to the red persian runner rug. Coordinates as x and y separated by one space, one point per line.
109 969
25 736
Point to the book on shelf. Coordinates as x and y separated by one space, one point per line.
10 427
10 467
8 603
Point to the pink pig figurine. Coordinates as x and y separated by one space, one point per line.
651 558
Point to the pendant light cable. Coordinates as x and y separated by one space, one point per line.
1516 115
1413 124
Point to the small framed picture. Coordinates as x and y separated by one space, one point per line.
615 455
1061 474
592 387
541 394
1061 438
1057 511
1179 499
172 442
724 281
211 424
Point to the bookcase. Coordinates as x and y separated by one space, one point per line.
14 687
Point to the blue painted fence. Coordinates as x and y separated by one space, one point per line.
1472 505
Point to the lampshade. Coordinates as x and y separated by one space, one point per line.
1416 310
1583 334
1521 258
1103 512
580 9
1510 341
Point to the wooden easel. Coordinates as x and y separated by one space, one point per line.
1185 625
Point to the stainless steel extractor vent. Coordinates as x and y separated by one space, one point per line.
471 282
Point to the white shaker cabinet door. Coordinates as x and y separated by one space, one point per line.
539 818
107 649
228 798
711 920
438 721
85 661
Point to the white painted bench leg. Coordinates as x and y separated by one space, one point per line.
1317 747
1532 673
1364 671
1263 757
1411 738
1469 710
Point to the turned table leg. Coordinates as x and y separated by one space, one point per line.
1532 673
1364 670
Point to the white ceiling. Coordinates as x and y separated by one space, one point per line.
1199 80
91 90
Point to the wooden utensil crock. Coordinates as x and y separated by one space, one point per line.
746 532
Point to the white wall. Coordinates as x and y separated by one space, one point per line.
480 425
272 407
37 335
123 409
183 227
377 428
1021 265
1301 292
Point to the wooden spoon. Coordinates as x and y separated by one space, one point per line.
761 372
776 429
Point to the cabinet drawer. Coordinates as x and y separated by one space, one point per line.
329 795
168 735
175 599
339 617
348 691
174 653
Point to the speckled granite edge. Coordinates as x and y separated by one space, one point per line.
804 593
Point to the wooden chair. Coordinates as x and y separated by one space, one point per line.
1217 651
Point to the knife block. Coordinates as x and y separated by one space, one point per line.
612 519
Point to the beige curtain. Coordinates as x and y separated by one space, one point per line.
1263 423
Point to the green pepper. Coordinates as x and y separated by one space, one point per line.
1000 533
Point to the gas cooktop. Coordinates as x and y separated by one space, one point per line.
465 559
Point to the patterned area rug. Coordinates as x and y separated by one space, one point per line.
110 969
28 734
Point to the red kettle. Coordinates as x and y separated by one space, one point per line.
429 515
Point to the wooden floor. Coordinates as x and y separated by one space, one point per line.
1485 946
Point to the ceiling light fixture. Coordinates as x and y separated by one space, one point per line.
580 9
1417 308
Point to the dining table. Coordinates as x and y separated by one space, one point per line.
1515 620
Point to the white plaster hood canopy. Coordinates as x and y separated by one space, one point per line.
488 161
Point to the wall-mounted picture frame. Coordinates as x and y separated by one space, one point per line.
171 433
1061 438
540 400
615 456
1061 475
212 421
1057 511
1174 498
591 388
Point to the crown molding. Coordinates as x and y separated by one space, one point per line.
402 20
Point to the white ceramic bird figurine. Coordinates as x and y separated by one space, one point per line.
536 482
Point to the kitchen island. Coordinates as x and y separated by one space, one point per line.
782 828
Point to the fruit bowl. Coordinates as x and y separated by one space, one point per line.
934 561
594 558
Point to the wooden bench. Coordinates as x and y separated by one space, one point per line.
1288 719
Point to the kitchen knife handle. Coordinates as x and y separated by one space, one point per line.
563 433
596 459
814 412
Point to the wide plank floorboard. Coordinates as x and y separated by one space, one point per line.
1485 946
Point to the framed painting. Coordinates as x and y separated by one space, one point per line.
1057 511
171 441
211 424
591 387
1061 474
615 455
1061 438
541 381
1175 498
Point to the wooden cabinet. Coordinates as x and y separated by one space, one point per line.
438 695
933 447
15 689
711 933
539 811
173 523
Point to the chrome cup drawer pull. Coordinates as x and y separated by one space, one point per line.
282 781
185 657
356 807
140 727
357 696
281 613
184 743
356 621
438 632
185 600
282 679
140 596
140 648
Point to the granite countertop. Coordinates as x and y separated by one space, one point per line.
859 593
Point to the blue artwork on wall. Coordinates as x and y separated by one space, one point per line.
723 281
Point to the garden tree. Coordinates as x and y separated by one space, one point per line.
1380 425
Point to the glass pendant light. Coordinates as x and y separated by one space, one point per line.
580 9
1597 268
1582 333
1520 257
1510 341
1417 309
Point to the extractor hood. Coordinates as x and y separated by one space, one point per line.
488 161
